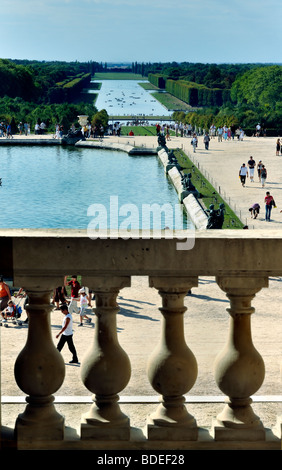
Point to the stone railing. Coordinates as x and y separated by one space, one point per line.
38 260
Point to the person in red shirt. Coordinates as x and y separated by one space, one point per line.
269 203
5 294
75 286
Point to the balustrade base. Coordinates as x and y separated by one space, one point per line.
171 433
42 431
278 428
104 431
223 433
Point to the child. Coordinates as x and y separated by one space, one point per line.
83 306
9 310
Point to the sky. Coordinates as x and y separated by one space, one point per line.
205 31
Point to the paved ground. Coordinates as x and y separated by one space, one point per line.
139 327
206 320
221 164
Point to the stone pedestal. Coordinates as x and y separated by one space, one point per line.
239 368
39 372
106 369
172 367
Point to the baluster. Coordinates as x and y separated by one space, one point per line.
106 369
39 372
239 368
172 368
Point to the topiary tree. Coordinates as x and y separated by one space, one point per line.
100 118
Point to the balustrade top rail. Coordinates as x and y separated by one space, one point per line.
53 253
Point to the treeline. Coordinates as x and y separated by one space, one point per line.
211 75
247 97
241 93
16 111
34 91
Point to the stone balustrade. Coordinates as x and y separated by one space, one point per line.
38 260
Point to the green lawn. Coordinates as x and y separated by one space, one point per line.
148 86
209 194
139 130
171 102
117 76
143 118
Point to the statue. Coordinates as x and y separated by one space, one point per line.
187 183
221 215
72 137
162 141
172 158
216 217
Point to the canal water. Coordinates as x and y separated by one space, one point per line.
67 187
127 98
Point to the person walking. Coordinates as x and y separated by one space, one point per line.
251 165
243 173
259 168
59 294
194 142
5 294
263 175
66 334
278 147
83 306
269 203
206 141
75 286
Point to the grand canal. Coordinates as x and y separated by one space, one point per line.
55 187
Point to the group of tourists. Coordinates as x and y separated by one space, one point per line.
248 170
6 130
23 128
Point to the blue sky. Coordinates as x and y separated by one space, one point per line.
207 31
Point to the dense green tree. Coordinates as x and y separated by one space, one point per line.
16 81
260 86
100 118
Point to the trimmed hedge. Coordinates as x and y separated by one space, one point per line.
157 80
191 93
68 90
196 94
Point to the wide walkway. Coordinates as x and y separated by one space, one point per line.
221 164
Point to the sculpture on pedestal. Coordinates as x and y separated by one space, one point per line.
216 217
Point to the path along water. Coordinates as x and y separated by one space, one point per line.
221 164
